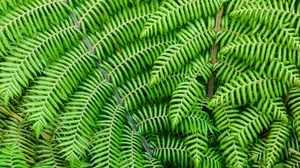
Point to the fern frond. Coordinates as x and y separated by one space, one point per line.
294 105
224 116
137 92
281 71
30 57
249 125
292 162
92 13
19 136
274 14
247 88
153 119
134 58
276 141
48 155
193 39
6 5
60 79
171 149
80 114
236 156
131 145
151 162
184 98
273 107
173 14
197 121
124 27
30 18
196 144
258 49
11 156
212 159
229 69
106 146
202 68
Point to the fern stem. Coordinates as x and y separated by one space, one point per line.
214 53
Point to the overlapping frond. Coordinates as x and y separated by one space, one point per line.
134 58
45 98
276 141
31 56
197 146
80 114
247 88
193 39
122 28
106 146
11 156
294 105
30 18
170 149
131 145
173 14
48 155
272 13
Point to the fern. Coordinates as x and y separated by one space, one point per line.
130 83
168 17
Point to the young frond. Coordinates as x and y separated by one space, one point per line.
247 88
173 14
193 39
31 56
80 114
44 98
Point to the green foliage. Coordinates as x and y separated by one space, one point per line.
149 84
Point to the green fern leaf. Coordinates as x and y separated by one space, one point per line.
184 99
61 78
31 56
278 137
294 104
11 156
151 162
20 21
196 145
131 145
171 149
106 146
173 14
247 88
274 14
195 38
80 113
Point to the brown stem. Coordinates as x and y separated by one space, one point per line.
214 53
